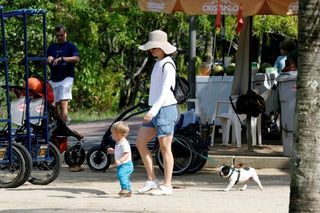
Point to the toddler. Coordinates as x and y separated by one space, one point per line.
122 155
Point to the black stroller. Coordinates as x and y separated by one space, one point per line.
43 171
188 148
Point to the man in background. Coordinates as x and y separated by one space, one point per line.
62 57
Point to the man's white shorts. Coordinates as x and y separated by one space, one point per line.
62 90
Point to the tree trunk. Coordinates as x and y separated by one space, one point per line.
305 177
208 57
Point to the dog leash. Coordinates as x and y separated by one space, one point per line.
210 159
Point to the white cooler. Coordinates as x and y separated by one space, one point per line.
287 95
209 90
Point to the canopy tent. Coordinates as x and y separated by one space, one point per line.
242 77
228 7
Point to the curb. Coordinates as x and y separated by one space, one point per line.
257 162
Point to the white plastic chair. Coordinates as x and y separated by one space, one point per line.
18 109
36 109
229 117
256 130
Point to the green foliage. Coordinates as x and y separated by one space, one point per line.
282 25
113 73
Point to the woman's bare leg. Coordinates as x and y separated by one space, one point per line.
165 148
145 135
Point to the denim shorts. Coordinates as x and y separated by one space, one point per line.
164 121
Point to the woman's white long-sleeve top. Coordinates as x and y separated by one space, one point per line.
162 80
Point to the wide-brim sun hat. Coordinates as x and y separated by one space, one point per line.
158 39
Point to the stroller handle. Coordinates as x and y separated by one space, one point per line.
107 140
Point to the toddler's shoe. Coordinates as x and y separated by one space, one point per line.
125 193
76 168
148 186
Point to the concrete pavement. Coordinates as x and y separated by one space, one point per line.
86 192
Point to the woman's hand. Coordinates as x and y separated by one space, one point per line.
147 118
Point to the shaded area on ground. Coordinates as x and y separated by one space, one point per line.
94 131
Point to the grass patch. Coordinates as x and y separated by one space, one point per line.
83 116
90 115
87 116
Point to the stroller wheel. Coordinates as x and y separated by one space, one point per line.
12 171
47 170
182 151
98 160
74 155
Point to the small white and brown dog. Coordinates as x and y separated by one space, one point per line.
239 174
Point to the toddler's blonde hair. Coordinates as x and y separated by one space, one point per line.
121 127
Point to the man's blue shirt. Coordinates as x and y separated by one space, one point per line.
64 69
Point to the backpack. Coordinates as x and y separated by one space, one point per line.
181 91
250 104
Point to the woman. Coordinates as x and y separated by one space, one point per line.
286 47
161 118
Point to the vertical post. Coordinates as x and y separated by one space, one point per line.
26 76
45 78
192 59
223 42
4 59
248 121
250 51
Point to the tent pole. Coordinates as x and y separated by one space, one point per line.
250 51
223 41
248 120
192 59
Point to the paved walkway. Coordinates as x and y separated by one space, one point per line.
87 191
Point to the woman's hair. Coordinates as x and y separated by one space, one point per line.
288 45
121 127
293 57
